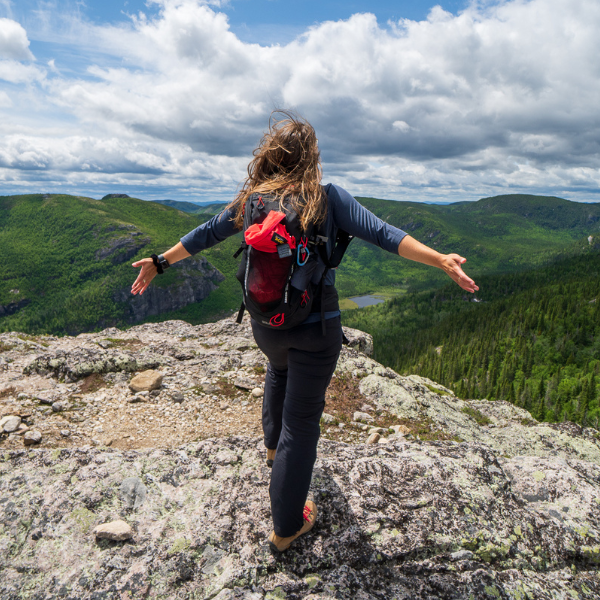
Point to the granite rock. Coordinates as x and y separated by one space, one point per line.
116 531
433 520
509 509
146 381
10 423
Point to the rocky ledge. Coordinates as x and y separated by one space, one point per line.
420 494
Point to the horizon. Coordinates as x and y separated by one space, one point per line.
432 102
207 202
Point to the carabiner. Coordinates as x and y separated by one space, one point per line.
305 253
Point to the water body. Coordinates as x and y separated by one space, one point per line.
363 301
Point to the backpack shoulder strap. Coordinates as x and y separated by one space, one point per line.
342 241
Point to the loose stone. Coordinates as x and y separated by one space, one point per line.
177 397
244 383
327 418
58 406
373 438
65 433
379 430
146 381
115 530
257 393
10 423
32 437
45 399
136 398
362 416
401 429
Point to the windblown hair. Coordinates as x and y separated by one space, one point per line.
287 164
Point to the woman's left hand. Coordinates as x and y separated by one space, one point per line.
147 273
452 266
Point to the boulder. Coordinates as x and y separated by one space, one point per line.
146 381
32 437
10 423
362 416
117 531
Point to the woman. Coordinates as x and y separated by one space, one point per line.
301 359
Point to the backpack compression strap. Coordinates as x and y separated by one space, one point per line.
241 313
342 242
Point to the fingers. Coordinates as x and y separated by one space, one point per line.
459 276
145 276
141 283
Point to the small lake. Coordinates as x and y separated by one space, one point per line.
363 301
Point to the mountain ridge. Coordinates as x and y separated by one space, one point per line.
66 255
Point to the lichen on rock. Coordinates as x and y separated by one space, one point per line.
498 506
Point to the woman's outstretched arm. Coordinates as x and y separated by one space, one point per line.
449 263
148 270
204 236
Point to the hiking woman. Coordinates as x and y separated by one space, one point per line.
286 168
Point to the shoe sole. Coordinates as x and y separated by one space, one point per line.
274 548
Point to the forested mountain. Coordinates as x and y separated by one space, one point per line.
496 235
532 337
196 208
67 265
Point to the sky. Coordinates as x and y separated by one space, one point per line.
411 100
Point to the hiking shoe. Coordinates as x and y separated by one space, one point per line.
270 457
280 544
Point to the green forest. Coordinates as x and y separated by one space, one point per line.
531 338
58 267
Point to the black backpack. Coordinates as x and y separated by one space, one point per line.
278 263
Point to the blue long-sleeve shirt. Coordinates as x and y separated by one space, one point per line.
343 212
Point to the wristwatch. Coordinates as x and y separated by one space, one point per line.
160 262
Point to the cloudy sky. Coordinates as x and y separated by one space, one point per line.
411 100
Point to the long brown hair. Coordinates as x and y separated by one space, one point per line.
286 163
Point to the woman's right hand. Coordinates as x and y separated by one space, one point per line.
147 273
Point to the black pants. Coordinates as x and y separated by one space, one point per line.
301 363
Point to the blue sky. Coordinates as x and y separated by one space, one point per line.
426 101
247 14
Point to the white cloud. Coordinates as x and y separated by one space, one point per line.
13 41
5 101
501 97
15 72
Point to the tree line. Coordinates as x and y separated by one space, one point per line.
531 338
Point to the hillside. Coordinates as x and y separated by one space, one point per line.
68 264
68 258
198 208
532 339
496 235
